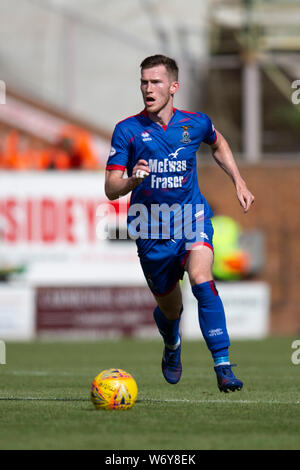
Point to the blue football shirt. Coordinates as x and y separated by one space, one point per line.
158 203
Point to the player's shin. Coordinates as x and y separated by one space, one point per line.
212 321
169 329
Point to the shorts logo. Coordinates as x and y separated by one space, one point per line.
199 213
203 235
186 138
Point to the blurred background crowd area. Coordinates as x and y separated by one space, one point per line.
72 151
80 61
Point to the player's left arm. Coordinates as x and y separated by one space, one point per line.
224 157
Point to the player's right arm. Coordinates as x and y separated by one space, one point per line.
117 186
122 155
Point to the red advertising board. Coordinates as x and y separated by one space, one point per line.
95 311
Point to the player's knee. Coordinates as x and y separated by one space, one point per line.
198 277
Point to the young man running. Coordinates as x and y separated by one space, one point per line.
173 231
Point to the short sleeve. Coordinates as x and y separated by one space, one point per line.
119 151
211 135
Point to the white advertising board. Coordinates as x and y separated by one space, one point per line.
246 305
17 312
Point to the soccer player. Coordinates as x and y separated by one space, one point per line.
158 149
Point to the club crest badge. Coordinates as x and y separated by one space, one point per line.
186 138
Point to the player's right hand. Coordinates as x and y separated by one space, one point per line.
140 171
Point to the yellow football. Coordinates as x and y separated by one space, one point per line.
114 389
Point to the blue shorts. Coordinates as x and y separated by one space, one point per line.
163 261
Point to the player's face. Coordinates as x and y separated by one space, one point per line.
157 88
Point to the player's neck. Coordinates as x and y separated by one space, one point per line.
162 117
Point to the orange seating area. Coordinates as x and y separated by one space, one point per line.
72 151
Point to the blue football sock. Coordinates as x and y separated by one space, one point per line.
212 320
169 329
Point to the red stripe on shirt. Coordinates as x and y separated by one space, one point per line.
189 112
116 167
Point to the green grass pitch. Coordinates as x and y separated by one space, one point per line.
44 398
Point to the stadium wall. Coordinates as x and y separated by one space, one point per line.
275 212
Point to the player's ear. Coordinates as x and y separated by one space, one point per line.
174 87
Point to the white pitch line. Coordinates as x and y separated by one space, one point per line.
40 373
250 402
42 399
170 400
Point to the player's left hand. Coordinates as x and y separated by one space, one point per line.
244 196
